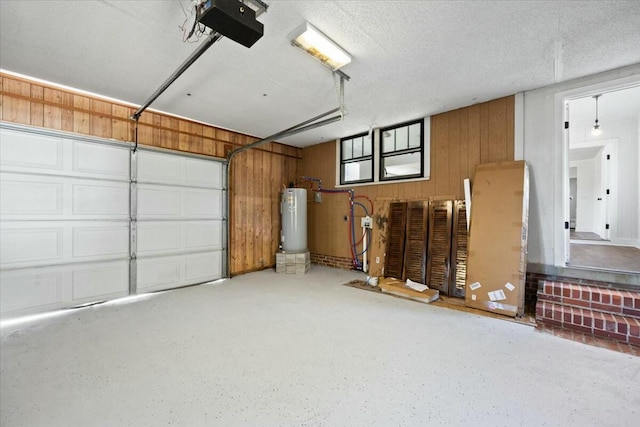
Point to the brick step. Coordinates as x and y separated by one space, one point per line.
614 301
618 327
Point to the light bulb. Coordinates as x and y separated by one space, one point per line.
596 130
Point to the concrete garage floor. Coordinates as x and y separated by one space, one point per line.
266 349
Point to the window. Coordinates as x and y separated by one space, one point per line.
402 152
356 159
385 155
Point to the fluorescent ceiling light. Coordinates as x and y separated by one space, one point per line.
321 47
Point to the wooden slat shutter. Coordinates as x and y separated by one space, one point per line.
439 245
459 250
416 247
394 261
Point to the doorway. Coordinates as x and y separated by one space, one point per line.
602 199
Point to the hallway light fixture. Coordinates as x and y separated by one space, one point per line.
596 125
315 43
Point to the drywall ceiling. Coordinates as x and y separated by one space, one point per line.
588 153
613 107
411 59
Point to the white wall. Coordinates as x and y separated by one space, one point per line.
586 194
624 225
543 151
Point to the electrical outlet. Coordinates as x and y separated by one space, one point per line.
377 260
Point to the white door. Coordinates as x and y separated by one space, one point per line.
179 220
64 220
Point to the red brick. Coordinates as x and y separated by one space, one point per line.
557 289
575 292
605 296
631 312
578 302
579 328
637 301
610 322
628 300
586 294
598 321
548 311
552 322
539 310
557 313
623 327
587 320
548 288
608 334
577 316
567 315
634 340
595 296
606 307
566 290
634 328
616 298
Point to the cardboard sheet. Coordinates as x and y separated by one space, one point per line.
497 257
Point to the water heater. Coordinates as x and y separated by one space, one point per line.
293 209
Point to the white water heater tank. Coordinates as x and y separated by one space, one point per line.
293 209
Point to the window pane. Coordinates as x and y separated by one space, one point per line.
402 165
357 147
402 138
347 149
366 145
388 141
414 135
358 171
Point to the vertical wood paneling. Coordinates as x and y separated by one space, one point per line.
460 140
260 174
455 173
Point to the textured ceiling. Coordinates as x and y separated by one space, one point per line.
411 58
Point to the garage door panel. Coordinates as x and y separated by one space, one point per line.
156 237
159 168
203 267
172 237
25 197
203 173
32 290
29 288
101 200
100 281
105 161
33 243
203 235
159 273
20 197
203 203
37 154
106 241
166 272
167 202
158 202
24 151
21 247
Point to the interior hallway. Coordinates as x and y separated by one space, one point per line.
607 257
268 349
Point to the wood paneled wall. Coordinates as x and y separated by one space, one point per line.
258 175
460 140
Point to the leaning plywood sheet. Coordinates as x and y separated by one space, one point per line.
497 246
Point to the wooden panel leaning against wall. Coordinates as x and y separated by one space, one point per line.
257 175
460 140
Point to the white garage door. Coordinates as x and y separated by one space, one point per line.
179 228
66 234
